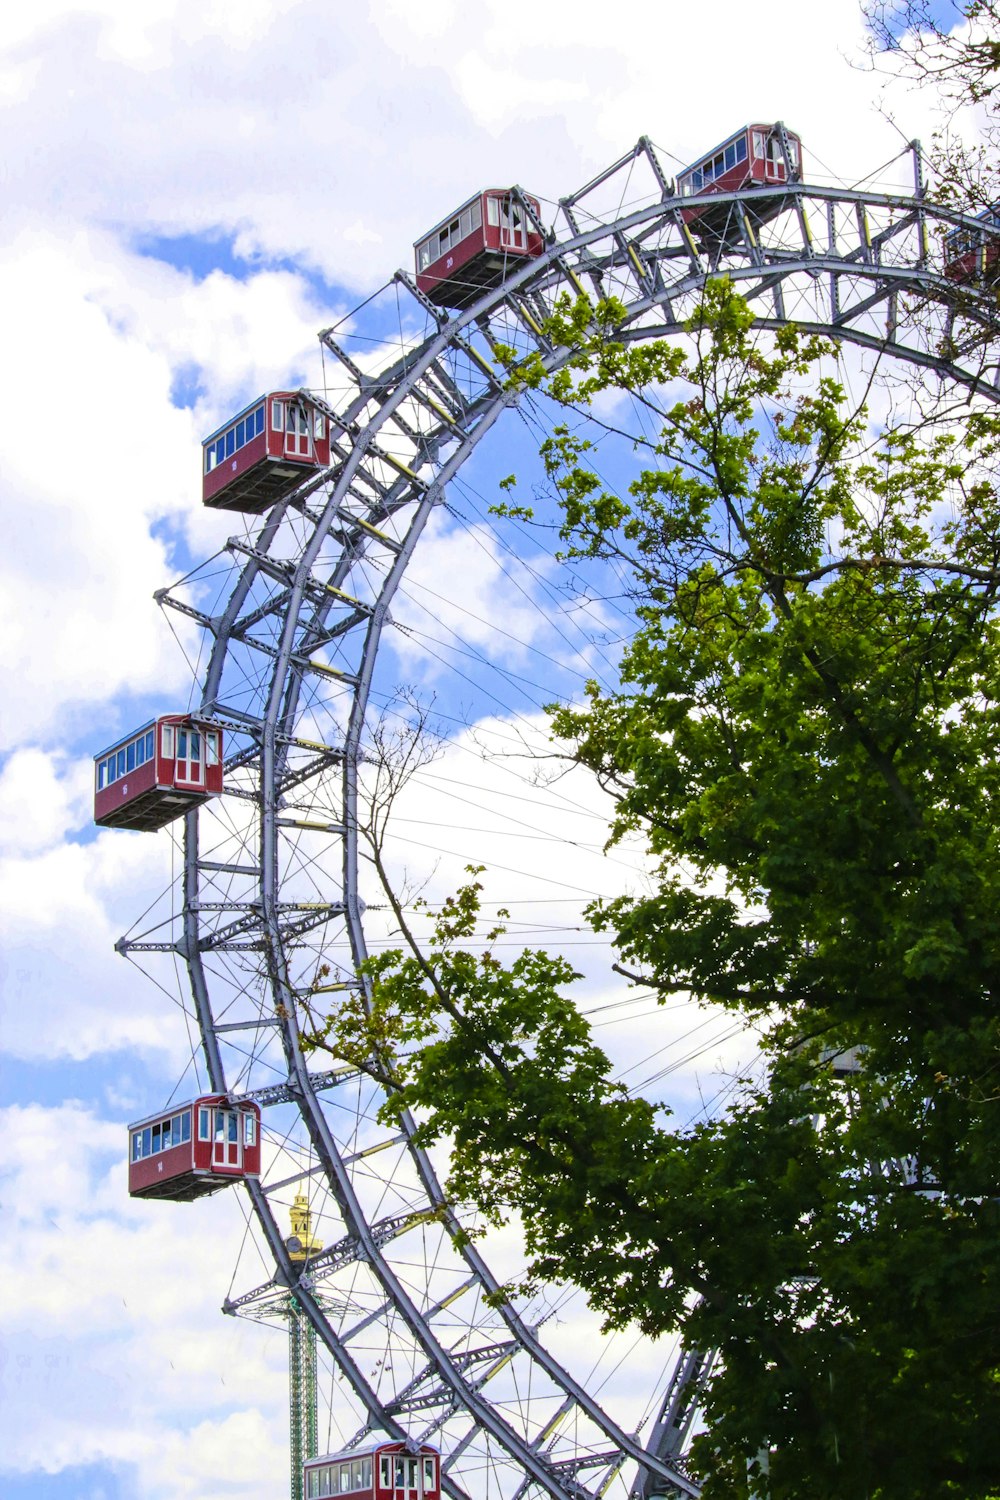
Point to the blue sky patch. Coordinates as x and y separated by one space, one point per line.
187 387
84 1482
201 255
944 14
104 1084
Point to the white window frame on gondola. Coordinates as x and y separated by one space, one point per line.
298 431
729 155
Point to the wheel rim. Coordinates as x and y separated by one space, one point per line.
421 1338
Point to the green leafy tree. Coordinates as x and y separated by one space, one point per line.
952 48
954 45
806 737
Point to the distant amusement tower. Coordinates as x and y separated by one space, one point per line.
302 1246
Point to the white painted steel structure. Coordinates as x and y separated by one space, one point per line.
399 1298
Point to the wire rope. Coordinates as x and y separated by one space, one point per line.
417 1325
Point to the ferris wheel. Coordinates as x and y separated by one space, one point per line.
269 768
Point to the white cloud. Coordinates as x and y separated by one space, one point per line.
92 378
461 590
289 125
119 1359
58 791
67 993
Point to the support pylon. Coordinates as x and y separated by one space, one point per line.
302 1244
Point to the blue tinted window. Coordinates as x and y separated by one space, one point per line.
696 178
240 431
121 763
741 148
203 1127
230 443
136 1145
156 1138
130 757
147 1145
149 744
730 155
220 450
259 421
186 1126
140 750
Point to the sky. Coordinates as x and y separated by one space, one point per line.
190 191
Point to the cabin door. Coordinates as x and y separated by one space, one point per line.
408 1478
189 767
513 226
298 432
774 162
227 1148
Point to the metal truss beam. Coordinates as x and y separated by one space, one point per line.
852 265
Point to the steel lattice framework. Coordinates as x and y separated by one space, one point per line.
423 1343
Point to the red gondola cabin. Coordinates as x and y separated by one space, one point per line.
383 1469
971 252
267 450
194 1149
169 766
474 247
754 156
